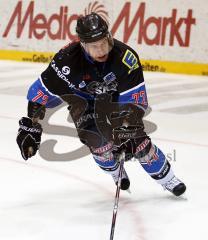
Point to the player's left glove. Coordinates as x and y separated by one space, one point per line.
29 137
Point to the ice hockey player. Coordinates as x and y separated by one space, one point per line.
101 79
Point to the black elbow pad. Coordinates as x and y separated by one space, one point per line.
35 110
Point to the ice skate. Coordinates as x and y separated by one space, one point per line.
125 182
175 186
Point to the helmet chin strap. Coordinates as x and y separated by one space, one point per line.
110 40
83 45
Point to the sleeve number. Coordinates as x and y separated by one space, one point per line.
40 95
140 97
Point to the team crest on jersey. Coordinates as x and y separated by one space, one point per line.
82 84
109 77
130 60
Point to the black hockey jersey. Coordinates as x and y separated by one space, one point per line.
74 77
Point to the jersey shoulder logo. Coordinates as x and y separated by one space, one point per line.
130 60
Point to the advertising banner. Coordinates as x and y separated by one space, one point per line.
169 36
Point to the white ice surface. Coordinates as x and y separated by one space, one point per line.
50 200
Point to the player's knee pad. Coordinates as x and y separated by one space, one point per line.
104 157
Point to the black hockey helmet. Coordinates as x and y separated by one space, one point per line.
91 28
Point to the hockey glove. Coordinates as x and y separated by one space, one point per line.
124 141
29 137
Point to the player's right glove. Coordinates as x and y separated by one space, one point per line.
126 139
29 137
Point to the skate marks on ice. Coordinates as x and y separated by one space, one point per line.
57 203
178 94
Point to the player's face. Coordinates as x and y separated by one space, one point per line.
98 50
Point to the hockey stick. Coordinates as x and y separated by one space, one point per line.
115 209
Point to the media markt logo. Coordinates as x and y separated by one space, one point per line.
63 21
97 8
173 28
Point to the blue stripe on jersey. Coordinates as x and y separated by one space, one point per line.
40 94
136 95
83 94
